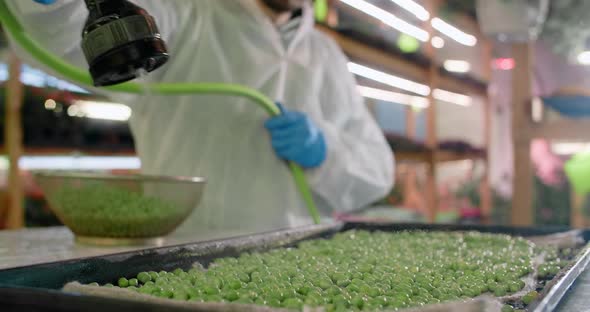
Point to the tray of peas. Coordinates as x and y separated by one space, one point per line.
340 267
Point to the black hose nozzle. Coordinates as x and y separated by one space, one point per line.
120 40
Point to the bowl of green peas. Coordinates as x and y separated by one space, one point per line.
114 208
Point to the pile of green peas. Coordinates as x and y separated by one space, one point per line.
355 271
102 210
552 264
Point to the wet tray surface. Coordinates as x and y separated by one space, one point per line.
38 287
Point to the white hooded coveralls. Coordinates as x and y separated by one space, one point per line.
222 138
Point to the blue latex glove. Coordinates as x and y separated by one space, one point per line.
45 1
296 138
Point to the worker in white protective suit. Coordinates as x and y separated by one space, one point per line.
268 45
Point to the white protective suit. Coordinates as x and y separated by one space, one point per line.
222 138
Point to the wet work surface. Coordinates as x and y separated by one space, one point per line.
34 246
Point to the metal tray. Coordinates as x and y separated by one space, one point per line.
38 287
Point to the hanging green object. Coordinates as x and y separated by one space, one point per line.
407 44
321 10
577 170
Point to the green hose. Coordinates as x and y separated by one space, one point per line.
73 73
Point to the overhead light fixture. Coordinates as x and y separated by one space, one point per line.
36 78
453 32
100 110
408 85
50 104
79 163
393 97
437 42
452 97
419 11
457 66
388 19
388 79
584 58
443 27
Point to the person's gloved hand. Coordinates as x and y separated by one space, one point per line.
45 1
296 138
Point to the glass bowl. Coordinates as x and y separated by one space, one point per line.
120 206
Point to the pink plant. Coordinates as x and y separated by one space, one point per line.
548 166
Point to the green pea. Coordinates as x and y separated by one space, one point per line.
507 308
123 282
500 291
109 285
213 298
180 295
343 282
177 272
133 282
293 303
381 300
244 300
357 302
243 277
357 274
273 302
235 284
157 291
184 276
167 292
313 301
231 295
553 270
146 290
374 292
324 284
277 295
514 287
330 308
333 291
341 299
303 289
93 284
153 274
530 297
144 277
471 292
371 306
351 288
